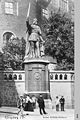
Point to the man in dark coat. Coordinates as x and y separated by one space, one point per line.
41 104
62 102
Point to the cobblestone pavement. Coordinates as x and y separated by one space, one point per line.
68 114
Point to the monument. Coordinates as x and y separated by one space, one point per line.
35 65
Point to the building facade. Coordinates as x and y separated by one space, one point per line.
65 6
13 18
13 15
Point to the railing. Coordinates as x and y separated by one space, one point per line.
61 76
53 76
14 75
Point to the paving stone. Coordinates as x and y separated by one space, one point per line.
68 114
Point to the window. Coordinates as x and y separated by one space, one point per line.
15 77
17 9
64 5
65 77
56 3
20 77
5 77
60 76
72 77
51 76
7 36
56 77
45 13
10 77
9 7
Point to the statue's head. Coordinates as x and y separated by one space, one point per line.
35 21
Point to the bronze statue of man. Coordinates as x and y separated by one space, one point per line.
34 39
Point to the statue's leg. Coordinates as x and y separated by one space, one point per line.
42 50
37 49
32 49
35 53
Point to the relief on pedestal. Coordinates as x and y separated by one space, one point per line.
37 76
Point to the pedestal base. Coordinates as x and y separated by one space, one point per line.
36 77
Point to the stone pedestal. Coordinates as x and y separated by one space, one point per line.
36 77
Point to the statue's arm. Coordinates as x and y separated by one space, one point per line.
28 25
40 35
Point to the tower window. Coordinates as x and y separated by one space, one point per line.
6 37
9 7
45 13
56 3
64 5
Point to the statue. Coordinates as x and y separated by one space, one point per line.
34 43
35 40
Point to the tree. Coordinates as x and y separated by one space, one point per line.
59 40
14 52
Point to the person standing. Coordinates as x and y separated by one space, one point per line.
34 101
20 105
28 106
62 102
20 102
57 103
41 104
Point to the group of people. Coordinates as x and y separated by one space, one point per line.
28 103
60 102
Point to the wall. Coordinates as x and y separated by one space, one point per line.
62 87
11 89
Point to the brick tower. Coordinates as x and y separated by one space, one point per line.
13 18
